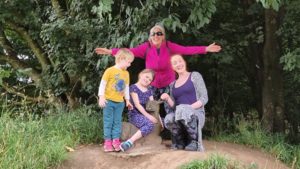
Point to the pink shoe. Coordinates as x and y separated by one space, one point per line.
116 144
108 146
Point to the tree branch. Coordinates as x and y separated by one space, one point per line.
14 91
17 64
11 57
35 47
57 8
6 44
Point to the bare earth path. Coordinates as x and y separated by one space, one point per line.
93 157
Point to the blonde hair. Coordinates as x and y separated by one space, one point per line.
147 71
157 26
124 54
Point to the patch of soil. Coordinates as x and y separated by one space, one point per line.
161 157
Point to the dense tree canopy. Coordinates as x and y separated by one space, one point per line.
50 44
47 57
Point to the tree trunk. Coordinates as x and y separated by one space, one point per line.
272 90
254 70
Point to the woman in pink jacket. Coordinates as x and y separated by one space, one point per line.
157 52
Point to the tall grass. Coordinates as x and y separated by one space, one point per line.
40 143
252 134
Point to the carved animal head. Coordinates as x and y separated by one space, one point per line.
153 106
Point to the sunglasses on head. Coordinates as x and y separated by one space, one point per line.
157 33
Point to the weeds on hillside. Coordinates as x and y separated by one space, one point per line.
40 143
216 161
252 134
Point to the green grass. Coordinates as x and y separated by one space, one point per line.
253 135
216 161
39 144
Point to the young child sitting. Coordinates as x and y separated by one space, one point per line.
138 116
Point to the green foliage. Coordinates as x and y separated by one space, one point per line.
197 18
216 161
250 133
275 4
291 60
67 35
4 74
40 143
68 38
104 9
291 40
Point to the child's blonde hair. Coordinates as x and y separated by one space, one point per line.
147 71
124 54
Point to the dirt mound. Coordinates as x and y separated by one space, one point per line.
93 157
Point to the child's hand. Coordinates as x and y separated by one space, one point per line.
164 96
102 101
129 105
152 119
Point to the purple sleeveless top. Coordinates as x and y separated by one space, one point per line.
185 94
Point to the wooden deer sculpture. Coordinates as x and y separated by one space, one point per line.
152 107
153 138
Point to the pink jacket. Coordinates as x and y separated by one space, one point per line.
160 63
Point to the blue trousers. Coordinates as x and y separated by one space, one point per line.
112 119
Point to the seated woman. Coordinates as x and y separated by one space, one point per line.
188 95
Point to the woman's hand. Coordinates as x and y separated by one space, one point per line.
102 101
165 97
213 48
103 51
197 105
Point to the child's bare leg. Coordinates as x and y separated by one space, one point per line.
136 136
129 143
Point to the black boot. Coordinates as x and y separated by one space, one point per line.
177 143
192 146
192 134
